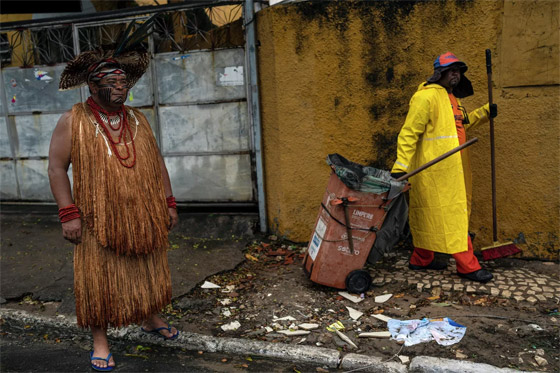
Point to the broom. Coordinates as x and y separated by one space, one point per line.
498 249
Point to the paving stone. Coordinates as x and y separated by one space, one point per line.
446 287
401 263
411 281
541 297
419 287
548 295
547 289
518 293
506 294
445 281
532 300
426 281
458 287
536 288
522 283
427 286
503 287
522 288
519 298
512 288
435 283
494 292
542 281
531 292
471 289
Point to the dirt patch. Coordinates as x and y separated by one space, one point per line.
272 285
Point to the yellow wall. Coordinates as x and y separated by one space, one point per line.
336 77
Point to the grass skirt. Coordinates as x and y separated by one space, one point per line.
116 290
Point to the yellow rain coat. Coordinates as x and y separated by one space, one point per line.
440 195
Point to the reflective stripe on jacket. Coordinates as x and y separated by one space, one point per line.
440 195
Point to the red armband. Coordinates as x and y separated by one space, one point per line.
171 202
68 213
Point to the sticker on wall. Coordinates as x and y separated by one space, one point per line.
13 82
231 75
180 57
42 75
14 99
130 96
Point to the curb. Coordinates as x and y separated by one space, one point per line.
302 354
427 364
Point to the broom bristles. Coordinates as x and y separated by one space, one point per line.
500 251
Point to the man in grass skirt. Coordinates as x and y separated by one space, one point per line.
121 208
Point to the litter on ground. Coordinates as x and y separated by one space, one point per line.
444 331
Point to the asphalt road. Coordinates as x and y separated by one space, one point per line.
35 349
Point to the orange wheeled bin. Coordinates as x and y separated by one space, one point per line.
332 259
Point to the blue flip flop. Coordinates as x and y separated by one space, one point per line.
157 332
99 369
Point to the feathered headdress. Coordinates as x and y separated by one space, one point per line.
127 52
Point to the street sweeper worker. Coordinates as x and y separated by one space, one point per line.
440 197
121 208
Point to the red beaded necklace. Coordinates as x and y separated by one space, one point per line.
124 128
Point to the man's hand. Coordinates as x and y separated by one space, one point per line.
72 231
173 218
493 111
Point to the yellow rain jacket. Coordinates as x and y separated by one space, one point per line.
440 195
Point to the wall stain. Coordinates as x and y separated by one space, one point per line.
384 144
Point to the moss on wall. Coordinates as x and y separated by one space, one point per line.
336 77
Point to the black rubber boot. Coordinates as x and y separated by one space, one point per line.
481 275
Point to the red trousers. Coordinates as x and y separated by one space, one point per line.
466 261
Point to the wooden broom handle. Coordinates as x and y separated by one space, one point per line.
438 159
492 149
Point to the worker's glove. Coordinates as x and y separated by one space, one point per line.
396 175
493 111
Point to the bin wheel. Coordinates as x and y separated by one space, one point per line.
358 281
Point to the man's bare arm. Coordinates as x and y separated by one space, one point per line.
173 216
59 161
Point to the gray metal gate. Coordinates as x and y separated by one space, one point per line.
194 95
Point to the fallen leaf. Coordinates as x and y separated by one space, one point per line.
251 258
434 297
224 360
400 295
377 312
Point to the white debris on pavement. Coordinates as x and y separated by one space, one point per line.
382 298
346 339
354 314
209 285
308 326
382 317
375 335
350 297
404 359
234 325
225 302
228 289
292 333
